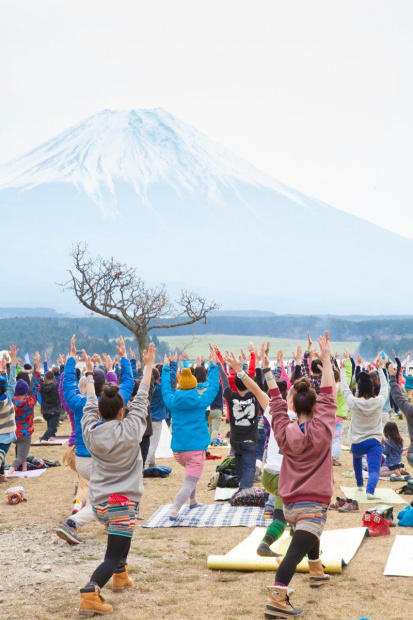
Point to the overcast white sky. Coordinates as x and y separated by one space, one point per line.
318 93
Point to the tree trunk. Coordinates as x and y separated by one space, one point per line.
142 340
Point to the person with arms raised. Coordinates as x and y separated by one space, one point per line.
306 477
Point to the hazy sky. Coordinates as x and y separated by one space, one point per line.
319 93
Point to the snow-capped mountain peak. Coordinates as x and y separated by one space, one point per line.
139 147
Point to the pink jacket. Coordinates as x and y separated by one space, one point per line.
307 468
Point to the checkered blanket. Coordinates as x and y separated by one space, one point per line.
210 515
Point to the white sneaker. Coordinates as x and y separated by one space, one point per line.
360 488
372 496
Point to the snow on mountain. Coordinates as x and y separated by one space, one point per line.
191 214
140 148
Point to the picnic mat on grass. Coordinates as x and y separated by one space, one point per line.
33 473
58 441
400 560
386 496
338 548
209 515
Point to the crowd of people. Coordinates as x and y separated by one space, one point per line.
286 425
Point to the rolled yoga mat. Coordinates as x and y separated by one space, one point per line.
338 547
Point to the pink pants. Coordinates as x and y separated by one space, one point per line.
193 461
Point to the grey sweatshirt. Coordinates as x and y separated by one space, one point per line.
366 420
405 406
114 446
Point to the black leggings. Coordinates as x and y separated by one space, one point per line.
115 559
303 543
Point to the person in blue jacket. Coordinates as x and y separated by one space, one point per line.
190 436
76 402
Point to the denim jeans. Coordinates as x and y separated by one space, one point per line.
245 458
261 443
372 449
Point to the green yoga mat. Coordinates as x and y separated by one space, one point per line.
387 496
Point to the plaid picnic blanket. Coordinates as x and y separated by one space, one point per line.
210 515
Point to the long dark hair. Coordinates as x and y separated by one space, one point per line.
391 431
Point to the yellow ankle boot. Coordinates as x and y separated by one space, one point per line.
93 603
121 581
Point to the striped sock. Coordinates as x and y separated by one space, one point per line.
273 533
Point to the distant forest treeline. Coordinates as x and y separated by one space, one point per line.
97 334
53 335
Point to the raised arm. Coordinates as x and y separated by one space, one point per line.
12 374
249 383
397 396
168 394
384 386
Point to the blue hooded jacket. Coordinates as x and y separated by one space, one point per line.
158 409
76 401
188 407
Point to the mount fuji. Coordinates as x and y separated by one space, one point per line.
151 190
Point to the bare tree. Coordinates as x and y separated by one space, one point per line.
114 290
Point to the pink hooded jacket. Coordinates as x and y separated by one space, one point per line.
307 468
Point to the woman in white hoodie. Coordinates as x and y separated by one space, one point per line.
366 427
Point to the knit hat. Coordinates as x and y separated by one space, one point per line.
365 382
3 381
21 388
99 376
187 380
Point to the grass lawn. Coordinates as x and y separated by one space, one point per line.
198 345
42 574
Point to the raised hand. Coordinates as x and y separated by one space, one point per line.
213 357
265 351
45 356
149 355
310 342
13 354
108 362
36 361
379 362
121 347
251 347
280 355
166 360
347 354
393 352
232 361
243 356
73 346
325 350
88 361
132 353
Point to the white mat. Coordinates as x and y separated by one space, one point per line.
163 450
58 441
384 496
34 473
400 560
221 495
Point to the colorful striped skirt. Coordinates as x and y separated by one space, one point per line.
118 520
308 516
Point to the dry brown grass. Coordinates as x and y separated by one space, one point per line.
172 581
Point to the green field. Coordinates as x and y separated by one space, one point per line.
198 345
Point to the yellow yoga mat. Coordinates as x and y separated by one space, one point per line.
338 547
